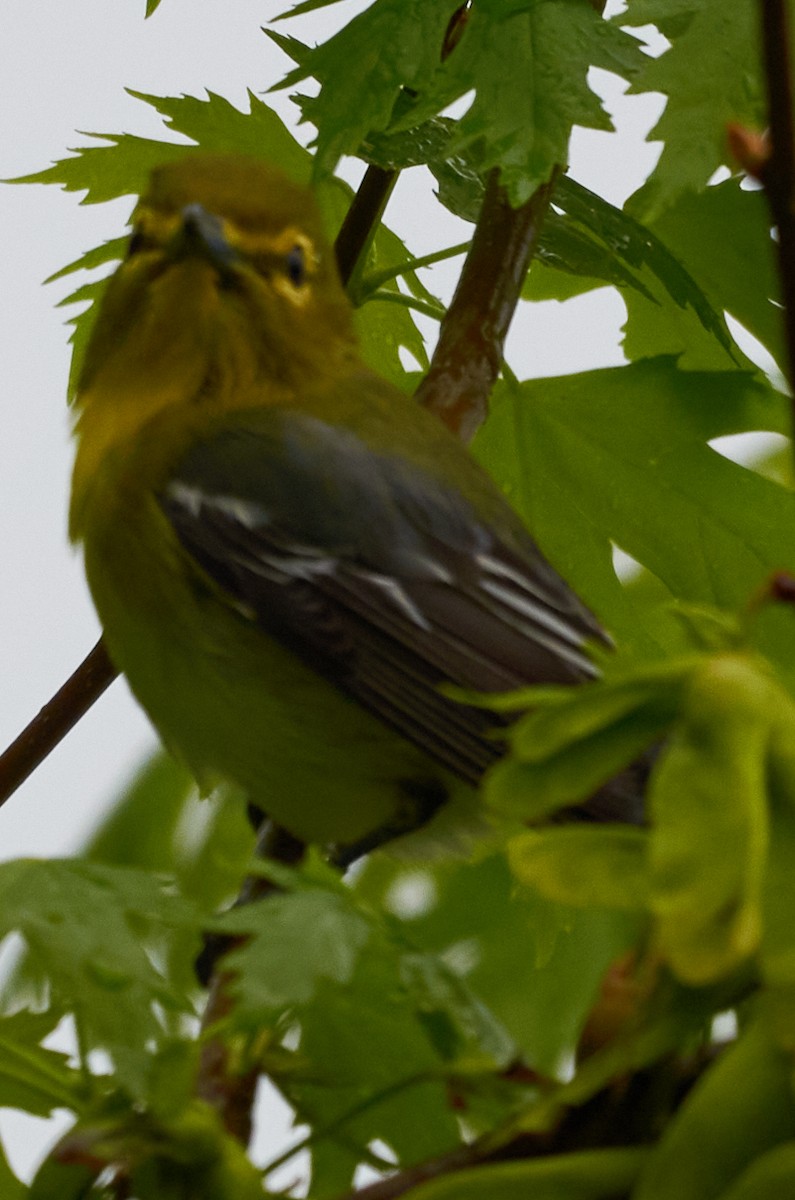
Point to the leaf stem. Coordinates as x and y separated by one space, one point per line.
373 282
436 311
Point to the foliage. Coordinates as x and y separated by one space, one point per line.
410 1008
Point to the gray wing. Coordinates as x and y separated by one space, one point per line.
379 576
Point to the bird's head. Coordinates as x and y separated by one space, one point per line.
228 282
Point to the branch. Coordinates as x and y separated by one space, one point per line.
362 219
779 173
468 355
630 1112
220 1080
400 1182
45 731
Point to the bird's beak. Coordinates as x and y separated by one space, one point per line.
201 235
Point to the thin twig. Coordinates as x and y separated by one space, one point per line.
362 219
629 1112
45 731
403 1181
468 355
780 169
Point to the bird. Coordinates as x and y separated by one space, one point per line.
294 564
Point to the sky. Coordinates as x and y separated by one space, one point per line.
64 65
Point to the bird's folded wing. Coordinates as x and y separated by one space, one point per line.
379 576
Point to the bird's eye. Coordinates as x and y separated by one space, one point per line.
295 264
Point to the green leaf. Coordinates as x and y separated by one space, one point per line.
123 166
125 837
187 1154
62 1181
740 1108
362 69
711 75
383 328
722 237
571 741
378 1059
83 924
298 10
769 1177
216 125
528 64
206 844
668 311
526 101
373 1071
621 456
454 1018
425 143
535 965
108 252
32 1078
707 803
294 49
91 292
570 261
332 936
582 866
588 1175
10 1186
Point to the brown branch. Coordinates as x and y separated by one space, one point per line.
630 1112
403 1181
220 1080
45 731
467 359
362 218
779 173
